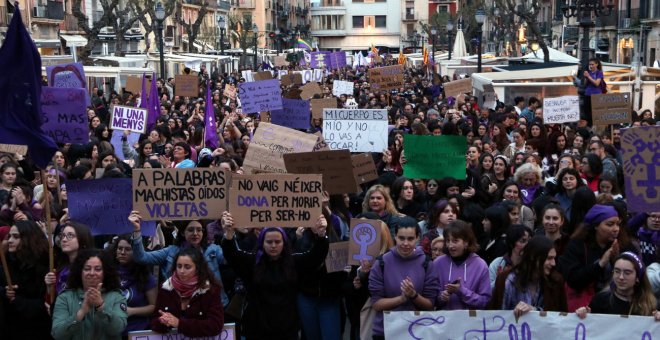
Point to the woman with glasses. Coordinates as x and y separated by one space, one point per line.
136 283
73 238
190 234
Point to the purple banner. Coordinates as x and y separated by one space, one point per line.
641 169
65 114
320 59
104 205
294 114
260 96
337 60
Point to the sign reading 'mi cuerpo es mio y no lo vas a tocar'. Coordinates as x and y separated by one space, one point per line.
355 130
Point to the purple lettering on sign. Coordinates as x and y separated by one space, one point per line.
295 114
64 114
425 322
484 330
260 96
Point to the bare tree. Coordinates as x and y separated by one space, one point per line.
148 17
192 28
107 19
241 35
528 11
122 24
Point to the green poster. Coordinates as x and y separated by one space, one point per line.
434 156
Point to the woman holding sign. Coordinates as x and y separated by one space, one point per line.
271 276
192 234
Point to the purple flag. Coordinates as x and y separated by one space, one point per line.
153 105
20 94
320 59
211 139
143 94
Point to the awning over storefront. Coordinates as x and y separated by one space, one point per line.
74 40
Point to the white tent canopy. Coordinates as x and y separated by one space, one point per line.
555 55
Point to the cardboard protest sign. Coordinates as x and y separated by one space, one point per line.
282 200
134 84
641 169
364 241
611 108
292 93
457 87
280 61
180 194
331 164
430 157
263 75
340 87
230 91
291 78
320 143
364 169
66 76
129 118
386 78
337 258
186 85
324 103
563 109
65 114
272 141
294 114
309 90
14 148
259 96
104 205
131 139
356 130
228 333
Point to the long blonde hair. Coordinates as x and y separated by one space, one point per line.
389 204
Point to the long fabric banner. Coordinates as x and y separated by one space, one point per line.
501 324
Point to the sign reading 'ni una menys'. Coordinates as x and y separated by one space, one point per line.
129 118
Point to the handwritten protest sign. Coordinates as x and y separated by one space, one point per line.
272 141
502 324
104 205
66 76
280 61
314 75
131 139
563 109
340 87
134 84
331 164
259 96
324 103
337 60
611 108
364 241
65 114
641 169
179 194
309 90
458 87
228 333
283 200
321 145
186 85
364 169
230 91
129 118
263 75
291 78
356 130
434 156
14 148
386 78
337 258
294 114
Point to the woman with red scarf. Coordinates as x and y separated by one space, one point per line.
190 299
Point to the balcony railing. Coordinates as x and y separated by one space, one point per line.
52 10
629 19
224 5
610 20
245 3
71 23
328 3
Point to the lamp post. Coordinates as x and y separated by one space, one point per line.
277 40
450 29
434 32
584 9
255 29
160 16
417 39
221 24
480 17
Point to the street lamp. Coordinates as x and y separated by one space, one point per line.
417 38
434 32
450 30
480 17
221 24
584 9
255 30
277 40
160 16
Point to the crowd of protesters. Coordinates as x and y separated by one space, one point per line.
540 223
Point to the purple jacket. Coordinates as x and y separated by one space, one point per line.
397 268
475 289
